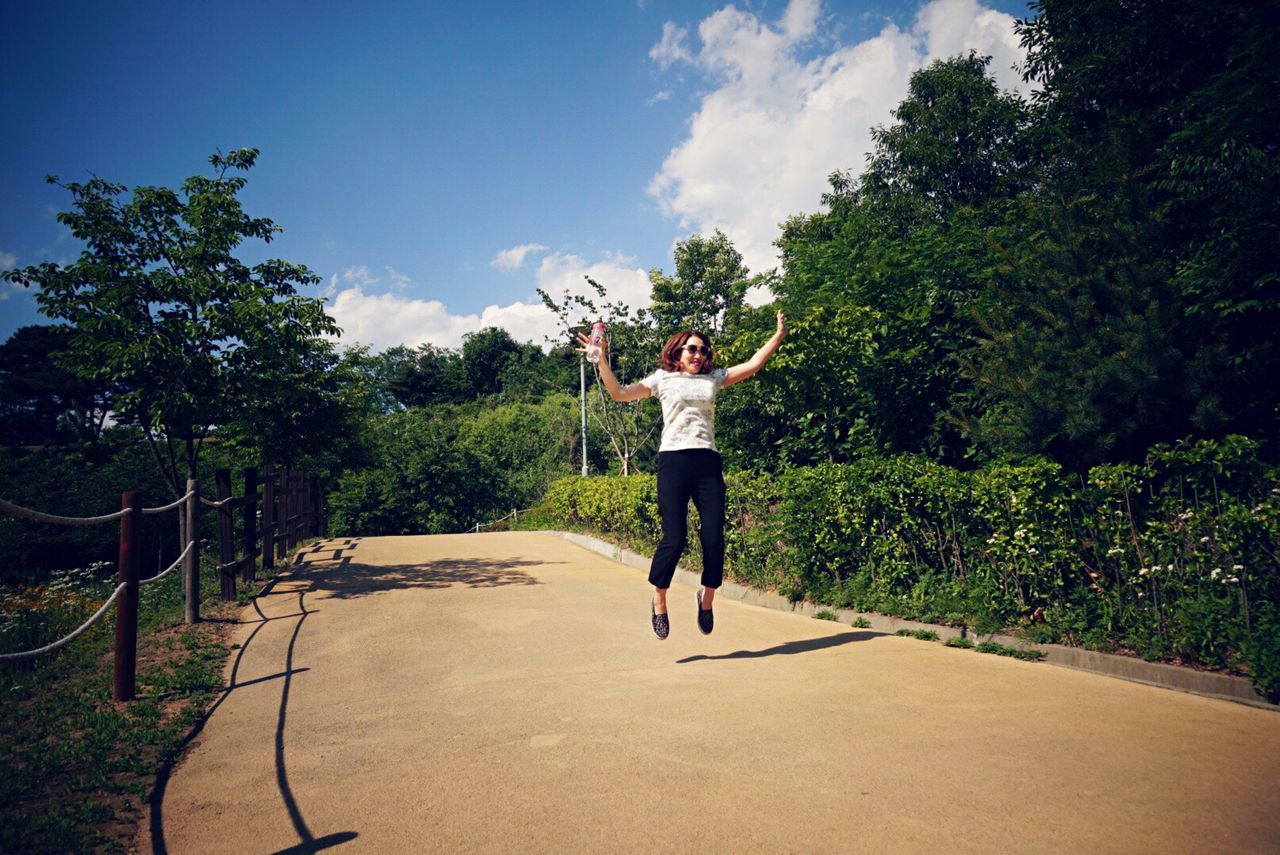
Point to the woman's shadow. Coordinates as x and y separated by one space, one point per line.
790 647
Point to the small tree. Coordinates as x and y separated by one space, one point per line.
708 288
633 350
161 309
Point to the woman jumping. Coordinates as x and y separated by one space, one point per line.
688 464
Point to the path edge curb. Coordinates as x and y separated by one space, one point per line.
1203 683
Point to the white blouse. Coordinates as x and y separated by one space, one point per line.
688 407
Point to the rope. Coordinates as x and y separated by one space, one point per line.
232 565
169 506
228 500
476 528
172 567
50 518
49 648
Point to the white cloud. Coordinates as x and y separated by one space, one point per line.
672 48
8 261
664 95
776 124
369 314
513 258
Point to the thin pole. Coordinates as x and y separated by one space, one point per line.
582 389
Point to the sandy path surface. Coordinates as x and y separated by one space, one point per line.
503 692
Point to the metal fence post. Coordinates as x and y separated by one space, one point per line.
126 654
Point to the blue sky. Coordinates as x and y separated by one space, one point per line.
434 163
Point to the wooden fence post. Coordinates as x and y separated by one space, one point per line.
126 654
286 512
268 517
226 543
310 493
191 572
250 567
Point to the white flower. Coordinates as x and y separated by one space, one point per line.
1232 579
1237 567
1204 540
1143 572
1115 550
1033 551
1217 571
1169 568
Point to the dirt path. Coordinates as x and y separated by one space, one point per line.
503 692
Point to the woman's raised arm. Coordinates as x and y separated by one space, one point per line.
617 391
741 372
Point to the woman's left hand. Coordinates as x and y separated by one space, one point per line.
782 324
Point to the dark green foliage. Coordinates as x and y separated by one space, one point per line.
1141 304
444 469
42 402
881 288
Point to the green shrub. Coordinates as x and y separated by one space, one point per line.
1172 558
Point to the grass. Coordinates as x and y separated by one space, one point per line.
860 623
1004 650
80 766
966 643
825 614
922 634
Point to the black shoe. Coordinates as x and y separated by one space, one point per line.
706 620
661 623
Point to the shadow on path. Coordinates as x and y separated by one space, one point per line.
308 842
790 647
350 579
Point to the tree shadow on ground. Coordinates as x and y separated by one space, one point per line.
791 647
349 578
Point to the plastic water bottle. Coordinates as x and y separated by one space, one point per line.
596 343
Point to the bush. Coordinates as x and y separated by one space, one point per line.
1172 559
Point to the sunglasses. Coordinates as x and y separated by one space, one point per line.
692 349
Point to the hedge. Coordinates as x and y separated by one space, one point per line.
1174 559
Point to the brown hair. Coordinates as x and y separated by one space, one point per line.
670 358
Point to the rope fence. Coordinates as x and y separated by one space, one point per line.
292 510
170 506
174 566
514 516
19 511
27 655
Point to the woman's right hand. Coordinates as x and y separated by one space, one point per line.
585 341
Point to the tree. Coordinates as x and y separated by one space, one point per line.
486 354
900 260
958 142
633 353
707 291
426 376
1143 305
40 400
161 308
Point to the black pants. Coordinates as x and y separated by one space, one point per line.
683 475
